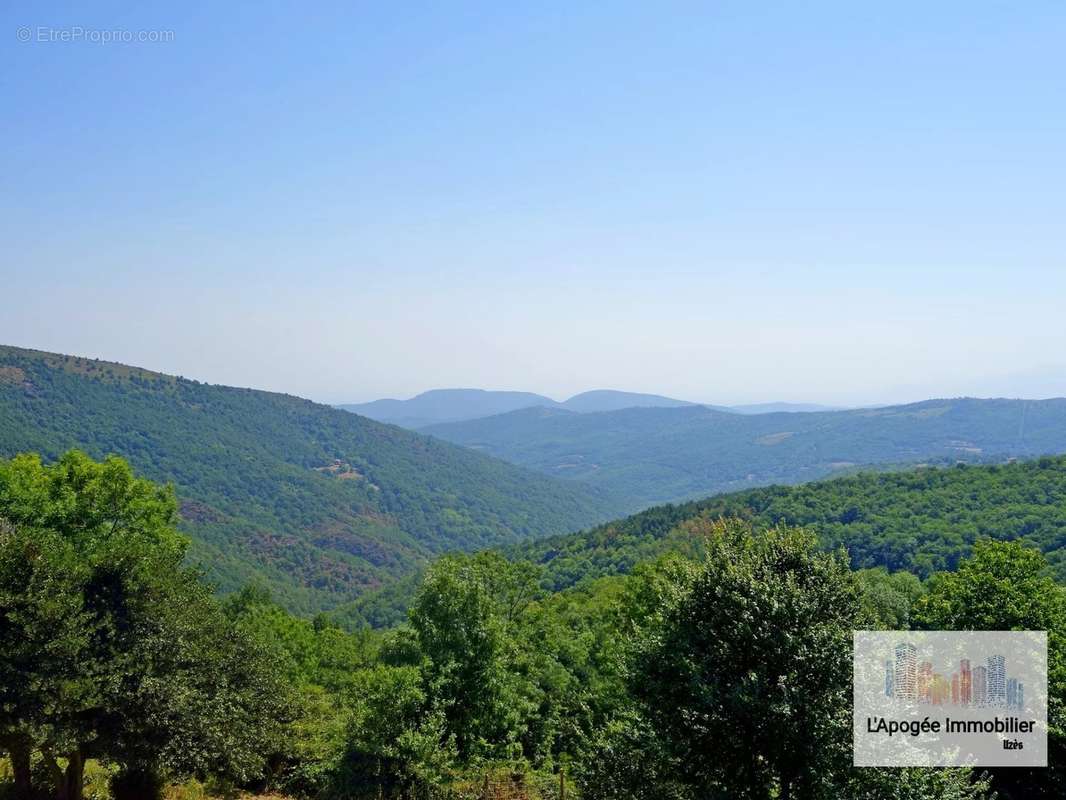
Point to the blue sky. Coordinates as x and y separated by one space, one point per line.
726 202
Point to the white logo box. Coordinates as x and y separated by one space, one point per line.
950 698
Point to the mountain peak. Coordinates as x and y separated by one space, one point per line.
613 400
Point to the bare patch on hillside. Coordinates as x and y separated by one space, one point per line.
770 439
13 375
200 513
341 470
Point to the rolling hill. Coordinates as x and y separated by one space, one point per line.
440 406
920 520
458 405
612 400
446 405
655 455
318 504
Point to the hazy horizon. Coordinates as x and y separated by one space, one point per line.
828 204
697 401
1035 380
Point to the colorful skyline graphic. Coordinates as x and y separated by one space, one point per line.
909 680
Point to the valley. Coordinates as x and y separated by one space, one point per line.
317 504
655 455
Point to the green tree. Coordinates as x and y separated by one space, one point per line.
1006 586
44 633
887 597
746 673
109 646
625 759
464 619
322 665
396 742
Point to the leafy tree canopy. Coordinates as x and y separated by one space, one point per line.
109 647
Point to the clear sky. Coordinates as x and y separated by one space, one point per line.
726 202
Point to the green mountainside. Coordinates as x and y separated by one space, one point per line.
657 455
317 504
920 520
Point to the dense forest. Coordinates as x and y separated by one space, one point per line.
318 504
122 677
920 520
660 455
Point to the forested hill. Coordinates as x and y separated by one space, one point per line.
656 455
920 520
316 503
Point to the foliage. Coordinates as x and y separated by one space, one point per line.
396 741
690 678
887 597
914 783
464 618
626 760
748 674
109 647
1005 586
918 521
316 503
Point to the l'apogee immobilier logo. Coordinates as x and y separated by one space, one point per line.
950 698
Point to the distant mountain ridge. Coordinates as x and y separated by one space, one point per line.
459 405
611 400
655 455
446 405
317 504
